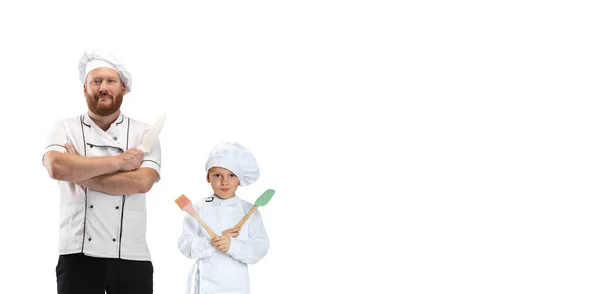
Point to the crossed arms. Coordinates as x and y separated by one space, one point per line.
116 175
195 243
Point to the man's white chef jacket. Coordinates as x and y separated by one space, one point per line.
92 222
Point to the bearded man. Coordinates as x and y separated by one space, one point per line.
103 180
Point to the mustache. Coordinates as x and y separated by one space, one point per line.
98 96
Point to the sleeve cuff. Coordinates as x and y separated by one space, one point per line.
234 248
55 147
153 165
201 247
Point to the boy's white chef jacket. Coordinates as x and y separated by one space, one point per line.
92 222
215 271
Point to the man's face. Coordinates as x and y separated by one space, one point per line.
103 91
224 183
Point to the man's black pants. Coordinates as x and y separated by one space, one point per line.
80 274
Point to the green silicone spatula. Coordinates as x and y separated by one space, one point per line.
261 201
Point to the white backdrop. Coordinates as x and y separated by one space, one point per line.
422 147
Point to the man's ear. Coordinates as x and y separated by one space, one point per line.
207 179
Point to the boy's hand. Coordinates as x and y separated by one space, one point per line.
233 232
222 243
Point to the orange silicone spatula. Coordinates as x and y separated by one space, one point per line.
186 205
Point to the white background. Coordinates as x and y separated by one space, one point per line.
415 147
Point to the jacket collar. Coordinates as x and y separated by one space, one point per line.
88 122
115 136
231 202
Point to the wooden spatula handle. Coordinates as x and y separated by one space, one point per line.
204 225
241 223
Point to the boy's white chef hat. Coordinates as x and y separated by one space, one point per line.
93 59
236 158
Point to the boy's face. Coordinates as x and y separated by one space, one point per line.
223 182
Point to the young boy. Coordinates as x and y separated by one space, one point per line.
222 262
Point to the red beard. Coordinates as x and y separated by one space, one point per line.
103 110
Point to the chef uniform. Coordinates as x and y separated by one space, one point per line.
98 231
215 271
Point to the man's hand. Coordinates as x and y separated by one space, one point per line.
127 161
233 232
130 159
222 243
70 148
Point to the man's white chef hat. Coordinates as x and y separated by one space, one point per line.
234 157
93 59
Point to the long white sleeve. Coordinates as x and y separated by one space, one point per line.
194 242
253 249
